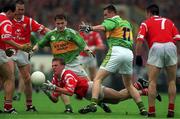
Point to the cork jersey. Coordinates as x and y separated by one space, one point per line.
71 82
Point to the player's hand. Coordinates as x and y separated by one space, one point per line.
49 86
9 52
26 47
139 61
85 28
47 92
35 48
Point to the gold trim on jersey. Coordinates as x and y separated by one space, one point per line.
63 47
119 33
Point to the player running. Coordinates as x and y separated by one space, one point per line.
119 58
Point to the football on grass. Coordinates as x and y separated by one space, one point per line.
38 78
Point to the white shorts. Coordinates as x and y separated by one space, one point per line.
118 59
76 67
88 95
88 61
162 55
3 57
21 58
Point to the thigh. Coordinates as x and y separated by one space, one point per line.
156 55
118 59
6 72
25 71
171 72
88 95
21 58
3 57
153 73
170 54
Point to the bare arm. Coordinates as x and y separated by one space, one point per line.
12 43
63 91
138 47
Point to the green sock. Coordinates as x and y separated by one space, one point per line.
68 106
140 106
94 101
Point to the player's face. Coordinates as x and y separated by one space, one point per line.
11 15
60 24
20 9
57 67
107 14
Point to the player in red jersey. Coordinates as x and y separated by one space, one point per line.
67 82
6 73
160 34
22 28
94 42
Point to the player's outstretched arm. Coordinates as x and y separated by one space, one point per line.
52 98
49 86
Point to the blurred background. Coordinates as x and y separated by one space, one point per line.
91 11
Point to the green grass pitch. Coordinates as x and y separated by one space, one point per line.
48 110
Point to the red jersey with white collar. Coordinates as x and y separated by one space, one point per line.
92 39
5 30
158 29
22 29
71 82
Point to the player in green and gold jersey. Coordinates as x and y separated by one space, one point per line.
119 58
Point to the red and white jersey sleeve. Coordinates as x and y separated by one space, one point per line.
22 29
5 30
71 82
158 29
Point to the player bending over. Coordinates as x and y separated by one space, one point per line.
68 83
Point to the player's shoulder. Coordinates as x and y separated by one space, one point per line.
71 30
67 71
169 20
125 23
27 18
4 19
113 19
52 32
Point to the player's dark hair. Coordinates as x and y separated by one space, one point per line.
9 6
153 9
60 16
61 60
21 2
111 8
